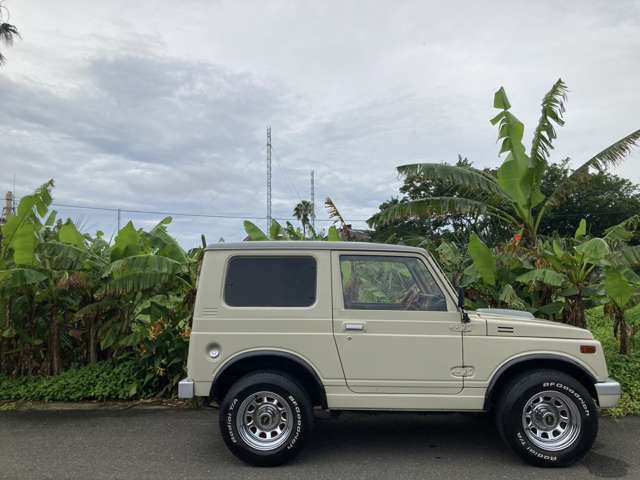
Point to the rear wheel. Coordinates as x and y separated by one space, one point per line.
265 418
548 418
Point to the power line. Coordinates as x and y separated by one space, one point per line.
287 178
184 214
253 217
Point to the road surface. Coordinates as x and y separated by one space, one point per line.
185 444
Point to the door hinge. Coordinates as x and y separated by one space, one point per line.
460 327
462 372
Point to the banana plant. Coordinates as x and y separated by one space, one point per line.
513 196
490 278
622 289
289 232
573 268
583 272
50 258
36 253
142 264
620 282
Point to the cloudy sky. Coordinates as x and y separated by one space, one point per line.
162 106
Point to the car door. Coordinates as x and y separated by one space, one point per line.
395 327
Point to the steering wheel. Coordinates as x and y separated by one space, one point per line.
412 299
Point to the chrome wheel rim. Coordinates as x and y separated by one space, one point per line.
264 420
551 420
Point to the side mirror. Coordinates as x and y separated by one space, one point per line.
465 316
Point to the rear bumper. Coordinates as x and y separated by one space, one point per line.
186 388
608 393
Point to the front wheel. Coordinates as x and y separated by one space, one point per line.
548 418
265 418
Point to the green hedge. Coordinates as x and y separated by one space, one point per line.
102 381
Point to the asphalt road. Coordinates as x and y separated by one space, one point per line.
185 444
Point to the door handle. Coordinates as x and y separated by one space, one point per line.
358 327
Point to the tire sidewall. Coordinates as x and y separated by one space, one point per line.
300 408
514 432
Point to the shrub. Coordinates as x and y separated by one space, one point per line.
101 381
624 368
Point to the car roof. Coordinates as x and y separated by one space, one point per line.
314 245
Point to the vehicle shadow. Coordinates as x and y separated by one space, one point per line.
438 436
413 445
454 441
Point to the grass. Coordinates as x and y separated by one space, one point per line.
625 369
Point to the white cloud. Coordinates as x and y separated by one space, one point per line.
149 106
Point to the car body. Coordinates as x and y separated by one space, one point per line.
365 326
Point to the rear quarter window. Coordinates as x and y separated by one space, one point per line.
271 281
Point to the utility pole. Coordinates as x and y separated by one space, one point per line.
118 221
313 202
268 179
9 208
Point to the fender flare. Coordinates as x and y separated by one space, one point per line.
527 358
299 361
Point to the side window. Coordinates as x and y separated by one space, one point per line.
270 281
372 282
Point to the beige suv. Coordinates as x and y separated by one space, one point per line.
282 327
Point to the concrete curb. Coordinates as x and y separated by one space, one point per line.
153 404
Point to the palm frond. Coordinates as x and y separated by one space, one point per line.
62 256
164 243
510 298
97 308
333 211
7 33
438 207
610 156
552 111
466 178
623 231
20 278
253 231
626 257
140 272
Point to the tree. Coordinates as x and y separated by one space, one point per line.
601 198
303 211
8 32
450 227
514 195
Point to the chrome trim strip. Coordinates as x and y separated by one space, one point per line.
186 388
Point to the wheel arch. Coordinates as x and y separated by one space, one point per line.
515 366
275 360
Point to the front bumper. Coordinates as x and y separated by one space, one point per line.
186 388
608 393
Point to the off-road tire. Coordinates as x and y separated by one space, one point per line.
560 399
252 391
